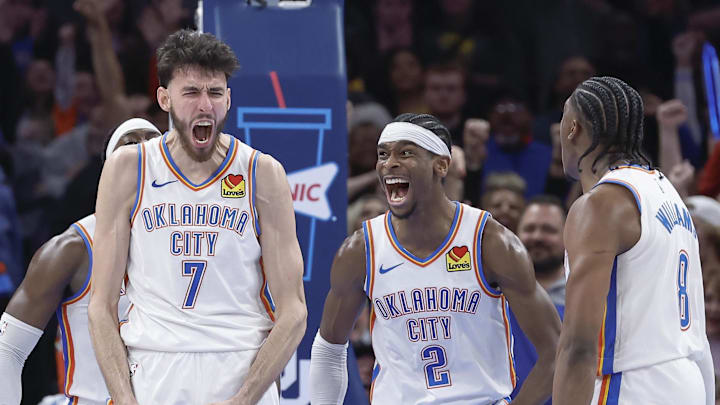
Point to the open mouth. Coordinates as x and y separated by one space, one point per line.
202 132
397 189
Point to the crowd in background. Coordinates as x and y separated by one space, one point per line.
495 73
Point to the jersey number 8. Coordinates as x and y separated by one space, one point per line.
683 304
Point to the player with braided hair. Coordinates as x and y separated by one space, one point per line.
439 275
635 281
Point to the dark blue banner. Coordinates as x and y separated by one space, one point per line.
288 100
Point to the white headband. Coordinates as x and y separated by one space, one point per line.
424 138
133 124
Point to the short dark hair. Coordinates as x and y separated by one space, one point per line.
186 48
614 111
547 199
429 122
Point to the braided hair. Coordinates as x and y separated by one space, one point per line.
614 111
429 122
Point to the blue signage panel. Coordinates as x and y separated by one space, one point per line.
288 100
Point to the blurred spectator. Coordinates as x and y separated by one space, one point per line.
712 318
454 182
709 182
11 261
475 136
366 207
405 82
504 198
366 123
512 148
34 133
541 231
445 97
705 212
557 183
393 24
572 71
365 358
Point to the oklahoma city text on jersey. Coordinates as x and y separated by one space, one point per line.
194 243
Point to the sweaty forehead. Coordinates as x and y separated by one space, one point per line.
196 76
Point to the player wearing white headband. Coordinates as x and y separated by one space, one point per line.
63 263
439 275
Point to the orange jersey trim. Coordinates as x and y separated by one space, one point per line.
601 344
508 337
440 251
371 254
207 183
603 397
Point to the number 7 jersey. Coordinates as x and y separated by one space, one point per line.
440 333
194 276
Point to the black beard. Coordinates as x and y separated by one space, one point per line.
548 265
185 133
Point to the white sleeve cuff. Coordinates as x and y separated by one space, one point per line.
17 340
328 372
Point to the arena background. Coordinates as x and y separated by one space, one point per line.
317 85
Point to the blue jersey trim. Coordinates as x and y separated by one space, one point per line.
614 389
610 323
368 270
439 248
478 250
228 156
139 181
88 247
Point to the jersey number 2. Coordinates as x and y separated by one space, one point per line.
435 376
195 270
683 303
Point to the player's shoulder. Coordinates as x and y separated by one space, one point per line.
68 245
497 238
353 245
606 200
124 157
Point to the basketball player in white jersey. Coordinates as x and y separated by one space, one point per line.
634 327
64 263
439 275
211 320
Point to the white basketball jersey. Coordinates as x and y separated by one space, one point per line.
655 310
84 383
195 277
440 332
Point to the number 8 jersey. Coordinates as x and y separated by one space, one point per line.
655 309
194 274
440 333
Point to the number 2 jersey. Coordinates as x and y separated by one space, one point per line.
440 332
194 274
655 310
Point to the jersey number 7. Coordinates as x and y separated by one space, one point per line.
195 270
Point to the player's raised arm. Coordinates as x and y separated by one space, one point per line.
50 271
283 264
116 196
344 302
506 261
600 225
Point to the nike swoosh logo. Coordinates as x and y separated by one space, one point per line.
383 271
154 183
